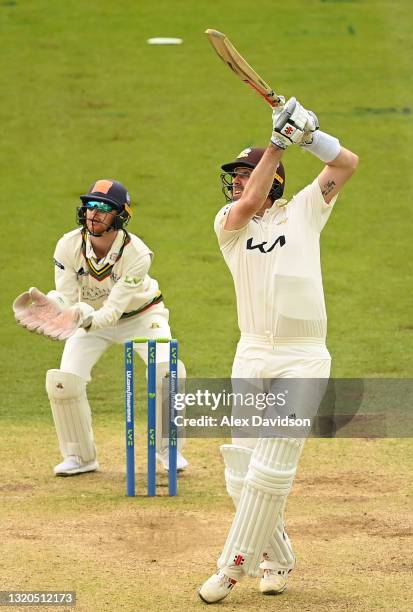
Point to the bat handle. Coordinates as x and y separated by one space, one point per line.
275 100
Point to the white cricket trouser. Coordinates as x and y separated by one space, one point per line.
261 359
84 348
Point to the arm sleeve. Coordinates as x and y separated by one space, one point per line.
65 276
316 210
225 237
128 286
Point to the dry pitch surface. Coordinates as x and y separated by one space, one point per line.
349 517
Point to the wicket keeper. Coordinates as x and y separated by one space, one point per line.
104 295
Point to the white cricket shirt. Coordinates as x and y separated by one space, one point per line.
116 286
275 264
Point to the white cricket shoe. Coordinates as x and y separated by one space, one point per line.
219 585
74 465
163 457
273 582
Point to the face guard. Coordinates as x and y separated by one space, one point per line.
104 208
107 197
249 158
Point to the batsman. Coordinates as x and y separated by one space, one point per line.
272 249
103 296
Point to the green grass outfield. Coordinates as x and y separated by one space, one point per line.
84 97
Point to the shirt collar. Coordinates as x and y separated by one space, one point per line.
113 253
277 208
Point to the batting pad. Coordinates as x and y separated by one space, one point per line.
237 460
278 552
267 484
71 414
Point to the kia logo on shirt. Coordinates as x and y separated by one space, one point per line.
261 245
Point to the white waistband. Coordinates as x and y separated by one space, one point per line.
274 340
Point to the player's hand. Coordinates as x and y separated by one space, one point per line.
292 124
68 322
33 308
310 127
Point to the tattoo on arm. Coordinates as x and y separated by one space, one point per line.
328 188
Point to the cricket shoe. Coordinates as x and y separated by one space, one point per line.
73 465
273 581
219 585
163 457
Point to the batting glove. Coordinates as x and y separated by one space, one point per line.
293 124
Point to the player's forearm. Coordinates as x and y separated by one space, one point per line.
345 159
66 281
259 185
336 173
67 289
62 299
329 150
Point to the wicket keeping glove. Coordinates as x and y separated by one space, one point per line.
33 308
68 322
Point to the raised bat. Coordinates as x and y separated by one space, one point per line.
228 53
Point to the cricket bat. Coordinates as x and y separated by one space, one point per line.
228 53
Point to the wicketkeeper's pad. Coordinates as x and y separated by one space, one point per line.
71 414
